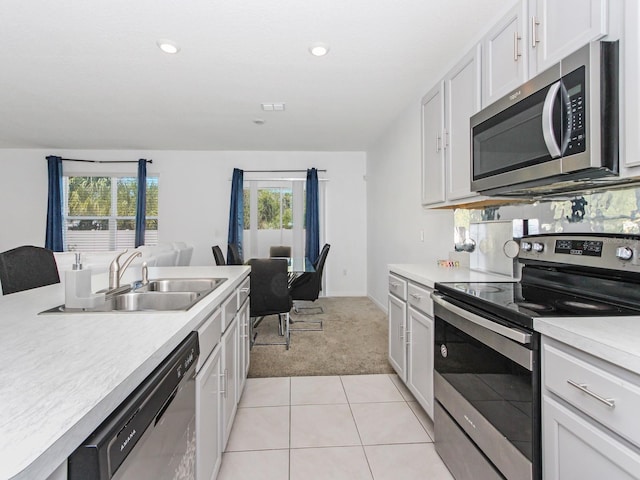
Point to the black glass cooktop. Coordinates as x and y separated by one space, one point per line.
521 303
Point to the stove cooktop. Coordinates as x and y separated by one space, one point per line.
521 303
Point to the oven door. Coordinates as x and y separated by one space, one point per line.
487 390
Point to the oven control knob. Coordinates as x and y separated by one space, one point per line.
538 247
624 253
526 246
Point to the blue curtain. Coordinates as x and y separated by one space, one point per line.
236 212
312 217
53 240
141 202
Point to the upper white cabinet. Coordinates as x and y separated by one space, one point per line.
446 153
505 55
559 27
462 100
432 146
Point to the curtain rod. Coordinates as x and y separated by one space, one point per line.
102 161
279 171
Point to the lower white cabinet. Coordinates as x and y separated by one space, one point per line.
411 339
229 377
208 414
420 358
589 416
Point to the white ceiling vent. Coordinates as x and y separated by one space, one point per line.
273 107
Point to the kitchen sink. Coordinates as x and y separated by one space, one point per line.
181 285
165 294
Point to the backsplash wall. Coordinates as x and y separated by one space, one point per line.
608 211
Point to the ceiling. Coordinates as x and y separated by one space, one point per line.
87 74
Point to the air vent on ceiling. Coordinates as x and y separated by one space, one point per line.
273 107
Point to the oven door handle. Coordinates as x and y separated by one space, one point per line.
511 333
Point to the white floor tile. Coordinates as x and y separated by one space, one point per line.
417 461
317 391
424 419
255 465
387 423
260 428
370 388
265 392
334 463
322 426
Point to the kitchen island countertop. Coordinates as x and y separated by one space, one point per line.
61 375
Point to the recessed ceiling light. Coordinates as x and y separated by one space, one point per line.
319 49
168 46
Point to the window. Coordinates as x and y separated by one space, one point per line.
274 210
99 212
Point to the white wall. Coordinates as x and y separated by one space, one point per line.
395 217
194 199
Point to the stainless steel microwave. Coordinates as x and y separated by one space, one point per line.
557 132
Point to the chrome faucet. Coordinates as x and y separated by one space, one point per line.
116 270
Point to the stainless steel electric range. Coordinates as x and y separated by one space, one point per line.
487 355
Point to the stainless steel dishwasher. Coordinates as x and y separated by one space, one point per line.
151 435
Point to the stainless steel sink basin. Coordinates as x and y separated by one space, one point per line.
165 294
181 285
141 301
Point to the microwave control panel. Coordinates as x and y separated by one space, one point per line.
574 115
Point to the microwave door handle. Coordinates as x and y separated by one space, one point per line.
547 120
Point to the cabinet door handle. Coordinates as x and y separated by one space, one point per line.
407 339
394 285
609 402
516 54
446 138
223 375
534 36
416 296
244 290
400 333
438 142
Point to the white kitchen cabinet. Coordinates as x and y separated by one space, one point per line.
243 345
505 55
420 358
589 411
397 324
560 27
229 377
411 337
446 149
462 100
208 417
433 170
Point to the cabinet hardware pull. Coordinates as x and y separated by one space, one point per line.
416 296
446 138
609 402
223 390
244 290
438 140
407 339
400 329
394 285
534 36
516 54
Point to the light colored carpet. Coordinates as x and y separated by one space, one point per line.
354 342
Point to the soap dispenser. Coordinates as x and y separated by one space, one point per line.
77 287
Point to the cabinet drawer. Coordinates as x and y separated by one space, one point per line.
229 309
588 384
420 298
243 292
209 334
398 286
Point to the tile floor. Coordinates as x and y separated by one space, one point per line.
355 427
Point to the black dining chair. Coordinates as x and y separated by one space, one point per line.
269 295
307 287
233 255
280 251
27 267
217 254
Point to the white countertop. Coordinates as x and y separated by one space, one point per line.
430 273
61 375
614 339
